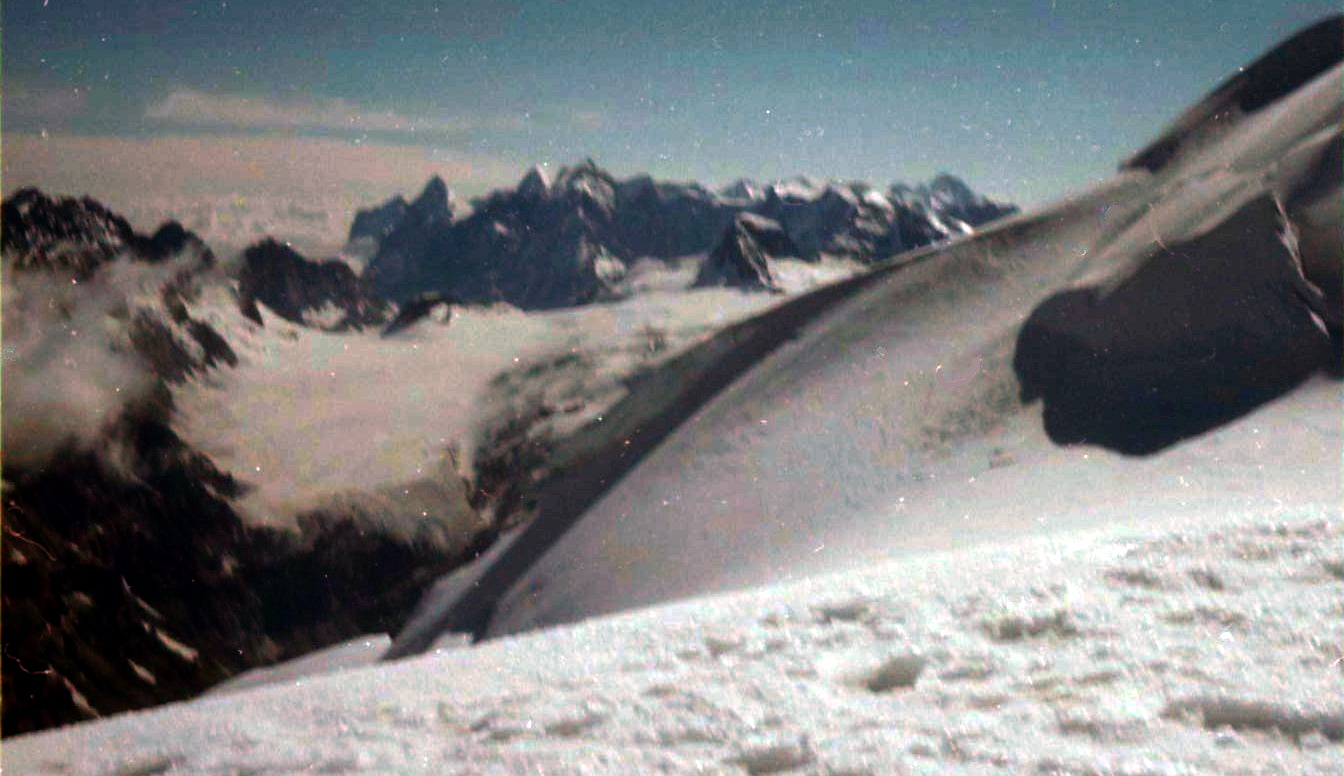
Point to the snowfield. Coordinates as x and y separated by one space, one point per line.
361 423
1211 648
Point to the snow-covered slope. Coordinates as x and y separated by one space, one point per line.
869 424
1209 648
1003 603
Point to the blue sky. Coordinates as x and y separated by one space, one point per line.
1024 99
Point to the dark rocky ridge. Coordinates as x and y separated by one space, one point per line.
78 236
377 223
558 243
327 295
435 204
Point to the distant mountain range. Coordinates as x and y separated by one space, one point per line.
557 243
543 244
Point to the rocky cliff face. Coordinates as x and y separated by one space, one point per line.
554 243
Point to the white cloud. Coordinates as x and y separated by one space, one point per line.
69 365
192 108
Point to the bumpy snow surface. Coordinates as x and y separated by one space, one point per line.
1212 648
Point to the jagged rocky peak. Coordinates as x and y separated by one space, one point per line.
377 222
868 194
172 239
953 190
79 235
948 196
800 189
65 233
644 191
742 258
536 184
587 181
435 204
435 201
743 188
326 295
586 170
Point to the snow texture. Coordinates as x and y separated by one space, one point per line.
1210 647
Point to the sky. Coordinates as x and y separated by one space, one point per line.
1026 100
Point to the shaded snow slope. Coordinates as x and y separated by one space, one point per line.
906 377
1210 647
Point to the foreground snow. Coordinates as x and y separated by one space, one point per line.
1214 648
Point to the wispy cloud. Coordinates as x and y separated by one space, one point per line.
185 107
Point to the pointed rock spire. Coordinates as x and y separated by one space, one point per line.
536 183
433 200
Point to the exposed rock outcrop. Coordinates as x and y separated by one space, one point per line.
78 236
414 310
326 295
1204 331
743 258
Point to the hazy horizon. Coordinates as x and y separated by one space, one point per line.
342 105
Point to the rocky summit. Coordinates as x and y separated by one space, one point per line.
79 235
742 259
